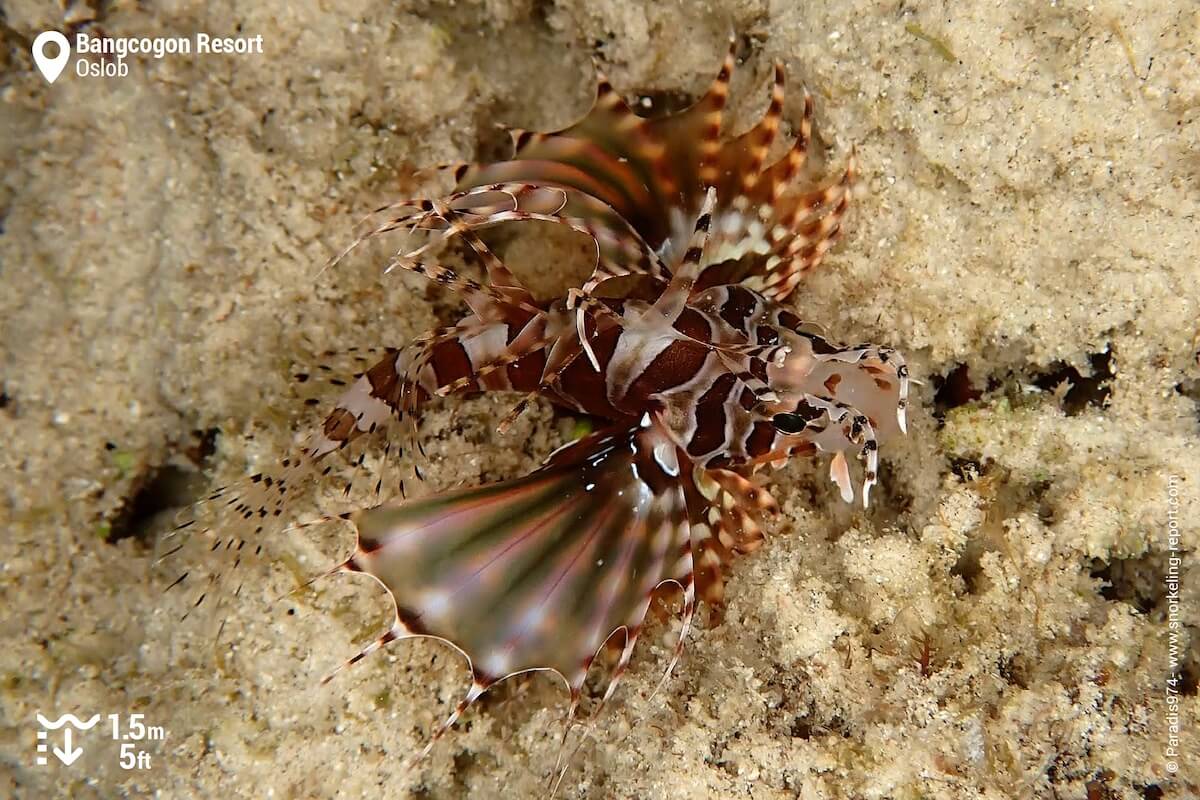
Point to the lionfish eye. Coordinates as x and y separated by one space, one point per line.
796 421
788 423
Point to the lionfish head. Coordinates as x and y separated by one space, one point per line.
835 399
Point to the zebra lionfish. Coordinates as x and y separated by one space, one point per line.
681 340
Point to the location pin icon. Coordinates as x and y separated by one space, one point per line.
51 68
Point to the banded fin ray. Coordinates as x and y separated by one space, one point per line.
645 180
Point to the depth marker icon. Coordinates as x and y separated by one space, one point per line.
68 754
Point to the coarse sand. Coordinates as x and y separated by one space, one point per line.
998 624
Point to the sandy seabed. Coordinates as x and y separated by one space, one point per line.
997 625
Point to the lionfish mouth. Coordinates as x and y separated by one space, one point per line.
704 375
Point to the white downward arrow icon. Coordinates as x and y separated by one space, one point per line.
68 755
